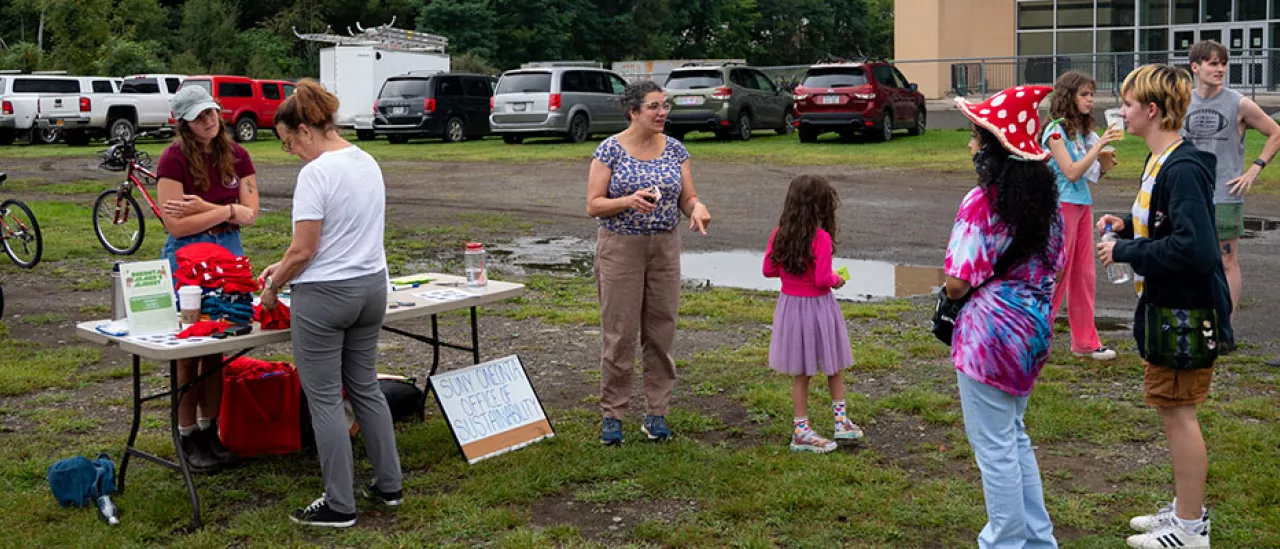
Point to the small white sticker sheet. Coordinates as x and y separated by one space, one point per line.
166 340
444 296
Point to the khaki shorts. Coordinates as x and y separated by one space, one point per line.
1167 388
1230 221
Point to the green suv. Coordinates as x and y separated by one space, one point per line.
730 100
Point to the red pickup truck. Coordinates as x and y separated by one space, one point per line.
247 104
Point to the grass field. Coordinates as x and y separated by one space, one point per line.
938 150
726 480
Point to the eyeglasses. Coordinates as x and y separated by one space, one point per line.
286 145
658 106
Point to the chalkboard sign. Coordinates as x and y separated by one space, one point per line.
491 408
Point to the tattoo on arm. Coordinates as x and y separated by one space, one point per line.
1226 248
251 187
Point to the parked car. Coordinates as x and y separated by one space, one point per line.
73 113
20 102
449 105
247 104
850 98
731 100
570 102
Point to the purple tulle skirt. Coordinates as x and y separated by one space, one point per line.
809 336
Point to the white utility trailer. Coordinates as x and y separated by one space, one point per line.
355 68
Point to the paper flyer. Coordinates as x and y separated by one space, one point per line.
148 297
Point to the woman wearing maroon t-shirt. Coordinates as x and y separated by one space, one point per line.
208 191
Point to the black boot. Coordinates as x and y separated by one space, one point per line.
199 459
214 444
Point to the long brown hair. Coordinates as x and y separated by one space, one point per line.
1063 103
198 164
310 105
811 204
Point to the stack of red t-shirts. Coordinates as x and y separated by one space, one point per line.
211 266
276 318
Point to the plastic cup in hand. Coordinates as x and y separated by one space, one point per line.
1114 120
1107 158
189 304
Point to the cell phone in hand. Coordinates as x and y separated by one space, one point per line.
657 195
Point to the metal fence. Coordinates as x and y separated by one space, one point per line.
786 77
1255 71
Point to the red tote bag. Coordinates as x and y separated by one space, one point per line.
260 408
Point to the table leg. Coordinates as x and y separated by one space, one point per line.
175 396
475 338
137 420
435 345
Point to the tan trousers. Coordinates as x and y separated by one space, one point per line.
638 280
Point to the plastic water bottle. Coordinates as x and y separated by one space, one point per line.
107 511
475 261
1117 273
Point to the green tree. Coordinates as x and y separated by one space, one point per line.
532 30
139 20
468 24
880 28
22 56
77 29
264 54
209 34
120 57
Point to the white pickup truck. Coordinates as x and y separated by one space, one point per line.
20 102
141 105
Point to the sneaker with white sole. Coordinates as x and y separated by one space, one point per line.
1147 523
1171 534
848 430
389 499
320 514
655 427
809 441
1101 353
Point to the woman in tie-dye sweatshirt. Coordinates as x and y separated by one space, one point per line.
1005 252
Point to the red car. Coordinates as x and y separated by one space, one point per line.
850 98
247 104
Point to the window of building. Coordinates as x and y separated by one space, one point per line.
1153 40
1072 42
1075 14
1154 12
1217 11
1115 41
1186 12
1251 10
1212 34
1035 43
1115 13
1037 15
1182 40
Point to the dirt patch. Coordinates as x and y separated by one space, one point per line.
606 522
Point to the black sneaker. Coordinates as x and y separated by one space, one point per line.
389 499
200 460
319 514
213 443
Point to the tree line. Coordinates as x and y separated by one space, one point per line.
255 37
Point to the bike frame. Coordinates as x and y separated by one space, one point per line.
131 182
9 231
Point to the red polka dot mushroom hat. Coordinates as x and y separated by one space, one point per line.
1012 117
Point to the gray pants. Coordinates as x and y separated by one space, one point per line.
335 346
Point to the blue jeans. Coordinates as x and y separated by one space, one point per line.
1016 515
229 240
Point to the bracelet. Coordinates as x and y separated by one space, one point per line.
231 209
1260 163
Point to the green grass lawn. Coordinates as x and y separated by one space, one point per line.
938 150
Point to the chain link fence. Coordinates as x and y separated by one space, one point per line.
1255 72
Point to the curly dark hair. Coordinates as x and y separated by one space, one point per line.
811 204
1023 194
633 95
1063 103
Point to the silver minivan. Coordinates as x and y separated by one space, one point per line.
568 102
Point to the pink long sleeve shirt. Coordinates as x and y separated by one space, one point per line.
815 281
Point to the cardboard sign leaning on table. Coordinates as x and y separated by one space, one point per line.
148 297
491 408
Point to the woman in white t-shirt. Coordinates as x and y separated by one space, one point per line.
337 272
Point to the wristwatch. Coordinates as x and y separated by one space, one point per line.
1260 163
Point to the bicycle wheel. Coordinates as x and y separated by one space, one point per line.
117 220
22 242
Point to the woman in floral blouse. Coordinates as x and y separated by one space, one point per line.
640 183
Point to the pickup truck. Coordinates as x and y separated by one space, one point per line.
141 105
19 103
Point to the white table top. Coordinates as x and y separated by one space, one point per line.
159 348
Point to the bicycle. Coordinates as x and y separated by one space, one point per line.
20 231
117 217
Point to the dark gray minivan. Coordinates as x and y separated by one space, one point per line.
449 105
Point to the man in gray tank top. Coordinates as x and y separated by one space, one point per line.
1216 122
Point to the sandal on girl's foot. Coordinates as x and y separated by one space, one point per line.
848 430
809 441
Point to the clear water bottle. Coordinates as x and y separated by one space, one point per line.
475 260
1117 273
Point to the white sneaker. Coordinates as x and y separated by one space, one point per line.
809 441
1171 534
1101 353
1147 523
